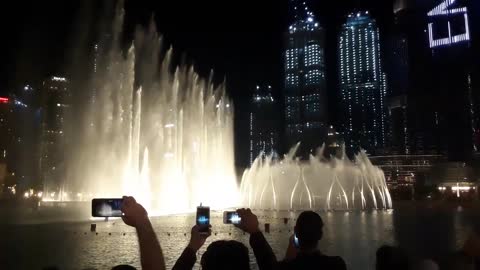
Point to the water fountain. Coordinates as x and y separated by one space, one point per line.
335 184
169 143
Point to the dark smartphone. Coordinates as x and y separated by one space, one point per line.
107 207
203 218
231 217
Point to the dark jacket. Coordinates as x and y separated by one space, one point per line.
266 259
314 261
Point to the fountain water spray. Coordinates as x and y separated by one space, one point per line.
289 184
169 142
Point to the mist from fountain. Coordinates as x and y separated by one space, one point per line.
335 184
168 143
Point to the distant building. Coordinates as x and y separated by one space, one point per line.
362 85
305 87
414 120
333 144
17 149
7 127
264 135
404 172
55 111
453 65
399 83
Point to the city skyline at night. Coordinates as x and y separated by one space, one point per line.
132 131
256 50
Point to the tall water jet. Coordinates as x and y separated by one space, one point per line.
168 143
335 184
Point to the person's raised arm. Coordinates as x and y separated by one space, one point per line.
189 255
150 251
263 252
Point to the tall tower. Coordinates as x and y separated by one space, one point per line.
451 40
399 82
362 84
305 88
55 111
263 126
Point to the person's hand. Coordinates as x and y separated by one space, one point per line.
197 238
133 213
292 249
249 221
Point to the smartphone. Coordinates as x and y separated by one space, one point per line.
295 241
107 207
203 218
231 217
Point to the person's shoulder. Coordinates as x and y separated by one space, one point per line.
335 262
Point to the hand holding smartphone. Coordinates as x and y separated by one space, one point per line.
203 218
107 207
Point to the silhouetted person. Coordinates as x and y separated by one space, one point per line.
426 265
391 258
135 215
219 255
124 267
309 231
471 249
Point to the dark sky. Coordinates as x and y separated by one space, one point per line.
241 40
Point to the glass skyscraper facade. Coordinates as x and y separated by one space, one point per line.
362 84
305 88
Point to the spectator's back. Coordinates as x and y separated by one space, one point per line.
314 260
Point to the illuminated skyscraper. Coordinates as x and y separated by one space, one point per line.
362 84
454 66
398 68
55 111
263 125
305 89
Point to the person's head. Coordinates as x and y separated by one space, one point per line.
226 255
309 230
427 265
391 258
124 267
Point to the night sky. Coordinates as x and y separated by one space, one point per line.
241 41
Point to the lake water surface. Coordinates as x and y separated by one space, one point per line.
60 236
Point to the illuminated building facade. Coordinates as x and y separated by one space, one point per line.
55 112
455 17
264 135
399 58
362 85
454 69
305 87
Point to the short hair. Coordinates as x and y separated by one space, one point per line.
226 255
124 267
309 229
